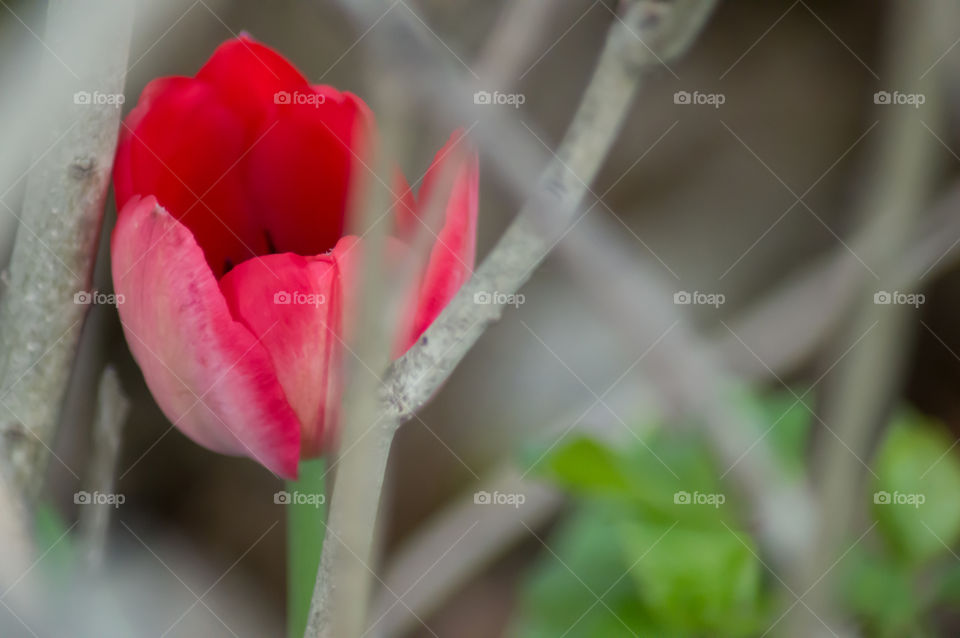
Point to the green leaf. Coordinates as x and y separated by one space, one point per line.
786 422
305 530
653 476
670 472
694 580
639 525
586 465
880 590
948 583
917 497
52 539
656 534
584 563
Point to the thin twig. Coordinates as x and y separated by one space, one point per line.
113 407
418 581
515 38
793 323
40 319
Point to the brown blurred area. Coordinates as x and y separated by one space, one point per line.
798 79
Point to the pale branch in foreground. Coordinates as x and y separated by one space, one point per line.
56 244
339 603
16 548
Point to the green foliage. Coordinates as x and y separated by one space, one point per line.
53 540
880 590
787 423
696 580
917 498
657 536
645 478
587 591
589 467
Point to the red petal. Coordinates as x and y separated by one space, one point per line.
246 172
182 144
247 75
209 374
292 304
452 258
300 173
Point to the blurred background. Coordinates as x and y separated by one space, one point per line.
741 174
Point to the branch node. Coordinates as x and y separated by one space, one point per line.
82 167
13 432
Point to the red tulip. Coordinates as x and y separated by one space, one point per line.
230 251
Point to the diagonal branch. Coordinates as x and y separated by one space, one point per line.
649 34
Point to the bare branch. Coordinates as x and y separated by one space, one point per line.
410 590
856 405
53 257
16 548
650 33
793 323
339 603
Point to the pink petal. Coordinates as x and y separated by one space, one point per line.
454 252
211 376
292 304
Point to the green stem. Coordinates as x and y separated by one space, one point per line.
305 525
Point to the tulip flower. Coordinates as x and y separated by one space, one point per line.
234 188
